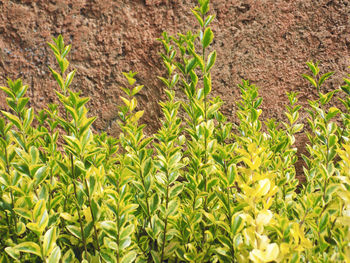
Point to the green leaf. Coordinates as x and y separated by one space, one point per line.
295 258
44 220
92 184
63 63
136 90
225 240
75 231
39 210
13 253
69 79
254 115
88 229
191 64
81 102
154 204
126 101
219 159
211 60
172 208
147 167
207 37
95 208
212 182
174 160
165 81
21 228
13 119
323 222
346 89
232 172
23 212
22 102
175 190
40 175
55 255
29 116
174 80
54 49
332 140
237 224
199 60
68 256
29 247
208 20
204 7
60 43
66 51
130 77
314 68
108 256
127 91
21 91
198 17
331 189
155 256
49 241
332 112
110 228
88 122
190 257
207 84
129 257
127 231
324 77
8 92
124 243
58 78
310 79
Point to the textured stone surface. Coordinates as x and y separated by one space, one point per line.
266 41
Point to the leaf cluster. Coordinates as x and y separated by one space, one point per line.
201 189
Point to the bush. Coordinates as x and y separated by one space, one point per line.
199 190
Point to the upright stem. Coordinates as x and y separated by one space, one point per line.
118 230
205 137
229 211
78 208
12 197
92 215
148 216
165 223
205 110
13 215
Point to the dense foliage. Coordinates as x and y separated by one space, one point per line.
201 189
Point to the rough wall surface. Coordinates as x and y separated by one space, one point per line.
266 41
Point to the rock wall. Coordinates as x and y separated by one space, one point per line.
266 41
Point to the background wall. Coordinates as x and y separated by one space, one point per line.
266 41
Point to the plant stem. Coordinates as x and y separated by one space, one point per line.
118 229
205 138
11 194
13 215
78 208
92 215
165 223
148 215
229 212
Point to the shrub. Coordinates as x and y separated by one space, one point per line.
199 190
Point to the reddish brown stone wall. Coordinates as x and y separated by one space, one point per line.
266 41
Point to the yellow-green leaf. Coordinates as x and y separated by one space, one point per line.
49 241
29 247
55 255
